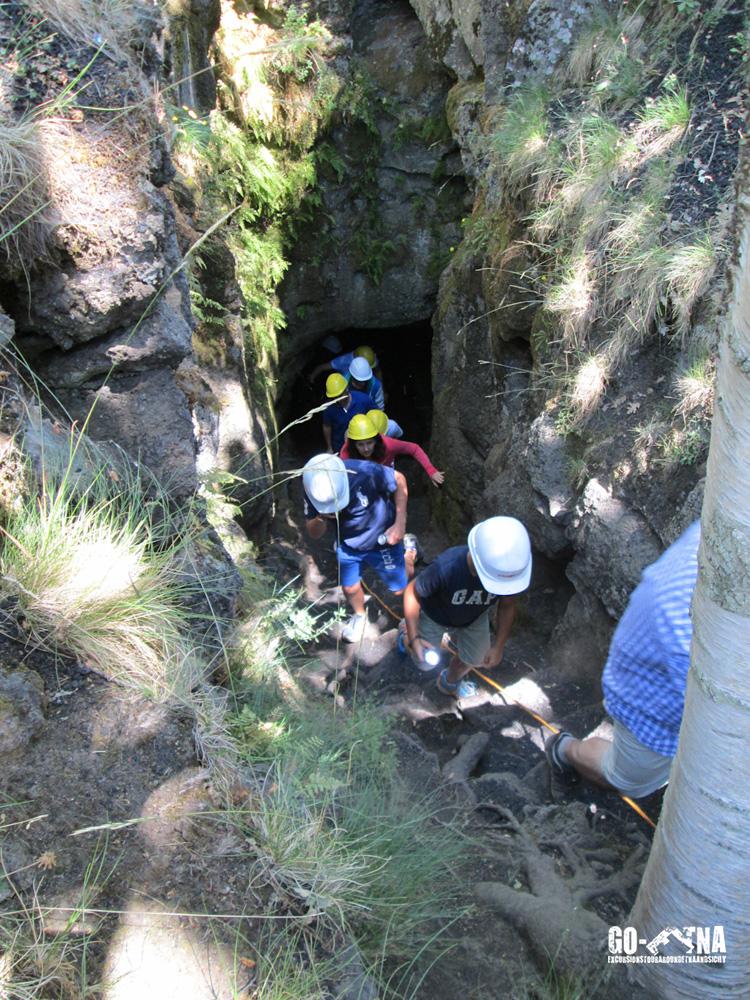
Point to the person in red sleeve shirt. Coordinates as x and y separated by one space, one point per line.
365 441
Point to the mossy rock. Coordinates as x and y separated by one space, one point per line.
470 92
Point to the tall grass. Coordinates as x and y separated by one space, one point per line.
93 575
334 825
24 215
521 141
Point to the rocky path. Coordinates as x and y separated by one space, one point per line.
550 864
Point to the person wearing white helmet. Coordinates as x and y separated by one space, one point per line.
459 593
367 502
342 361
361 377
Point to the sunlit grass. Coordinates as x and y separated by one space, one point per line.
91 580
573 299
24 221
521 140
694 386
688 271
588 385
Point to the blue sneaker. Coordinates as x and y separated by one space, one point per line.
461 689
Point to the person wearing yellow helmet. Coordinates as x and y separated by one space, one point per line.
366 441
336 416
342 362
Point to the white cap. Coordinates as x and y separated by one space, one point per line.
360 370
326 483
501 551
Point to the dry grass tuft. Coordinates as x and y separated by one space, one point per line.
111 23
573 298
588 386
25 216
688 272
695 390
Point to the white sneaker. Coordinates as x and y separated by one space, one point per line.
411 544
354 628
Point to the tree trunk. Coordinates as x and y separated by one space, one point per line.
698 874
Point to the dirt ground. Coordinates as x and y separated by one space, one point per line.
512 803
109 806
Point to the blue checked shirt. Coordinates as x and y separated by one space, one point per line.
646 672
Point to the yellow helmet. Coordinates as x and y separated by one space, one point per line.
368 354
379 421
361 428
335 385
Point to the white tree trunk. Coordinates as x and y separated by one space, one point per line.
698 873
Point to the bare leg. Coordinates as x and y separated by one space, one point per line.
586 757
356 597
457 670
410 558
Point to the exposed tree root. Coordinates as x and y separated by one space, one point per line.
460 767
552 914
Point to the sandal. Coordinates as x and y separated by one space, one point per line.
461 689
551 748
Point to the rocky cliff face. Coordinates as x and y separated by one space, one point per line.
392 189
388 192
598 492
102 314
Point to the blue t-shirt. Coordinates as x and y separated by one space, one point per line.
449 593
342 362
371 509
374 389
338 418
646 672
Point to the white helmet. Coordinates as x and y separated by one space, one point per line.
360 370
326 483
501 551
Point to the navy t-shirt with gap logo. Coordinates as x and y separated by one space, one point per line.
448 593
371 509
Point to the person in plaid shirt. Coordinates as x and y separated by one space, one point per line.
644 681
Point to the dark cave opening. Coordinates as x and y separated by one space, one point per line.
404 356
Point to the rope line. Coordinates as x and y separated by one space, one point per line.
543 722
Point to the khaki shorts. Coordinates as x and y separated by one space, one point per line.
473 641
633 768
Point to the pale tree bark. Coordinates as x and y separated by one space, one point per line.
698 873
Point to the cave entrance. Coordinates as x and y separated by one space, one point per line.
405 360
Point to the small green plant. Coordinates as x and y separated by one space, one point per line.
478 230
687 8
429 130
297 51
579 472
739 43
374 255
684 446
668 114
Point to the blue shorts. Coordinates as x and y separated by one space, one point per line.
388 563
